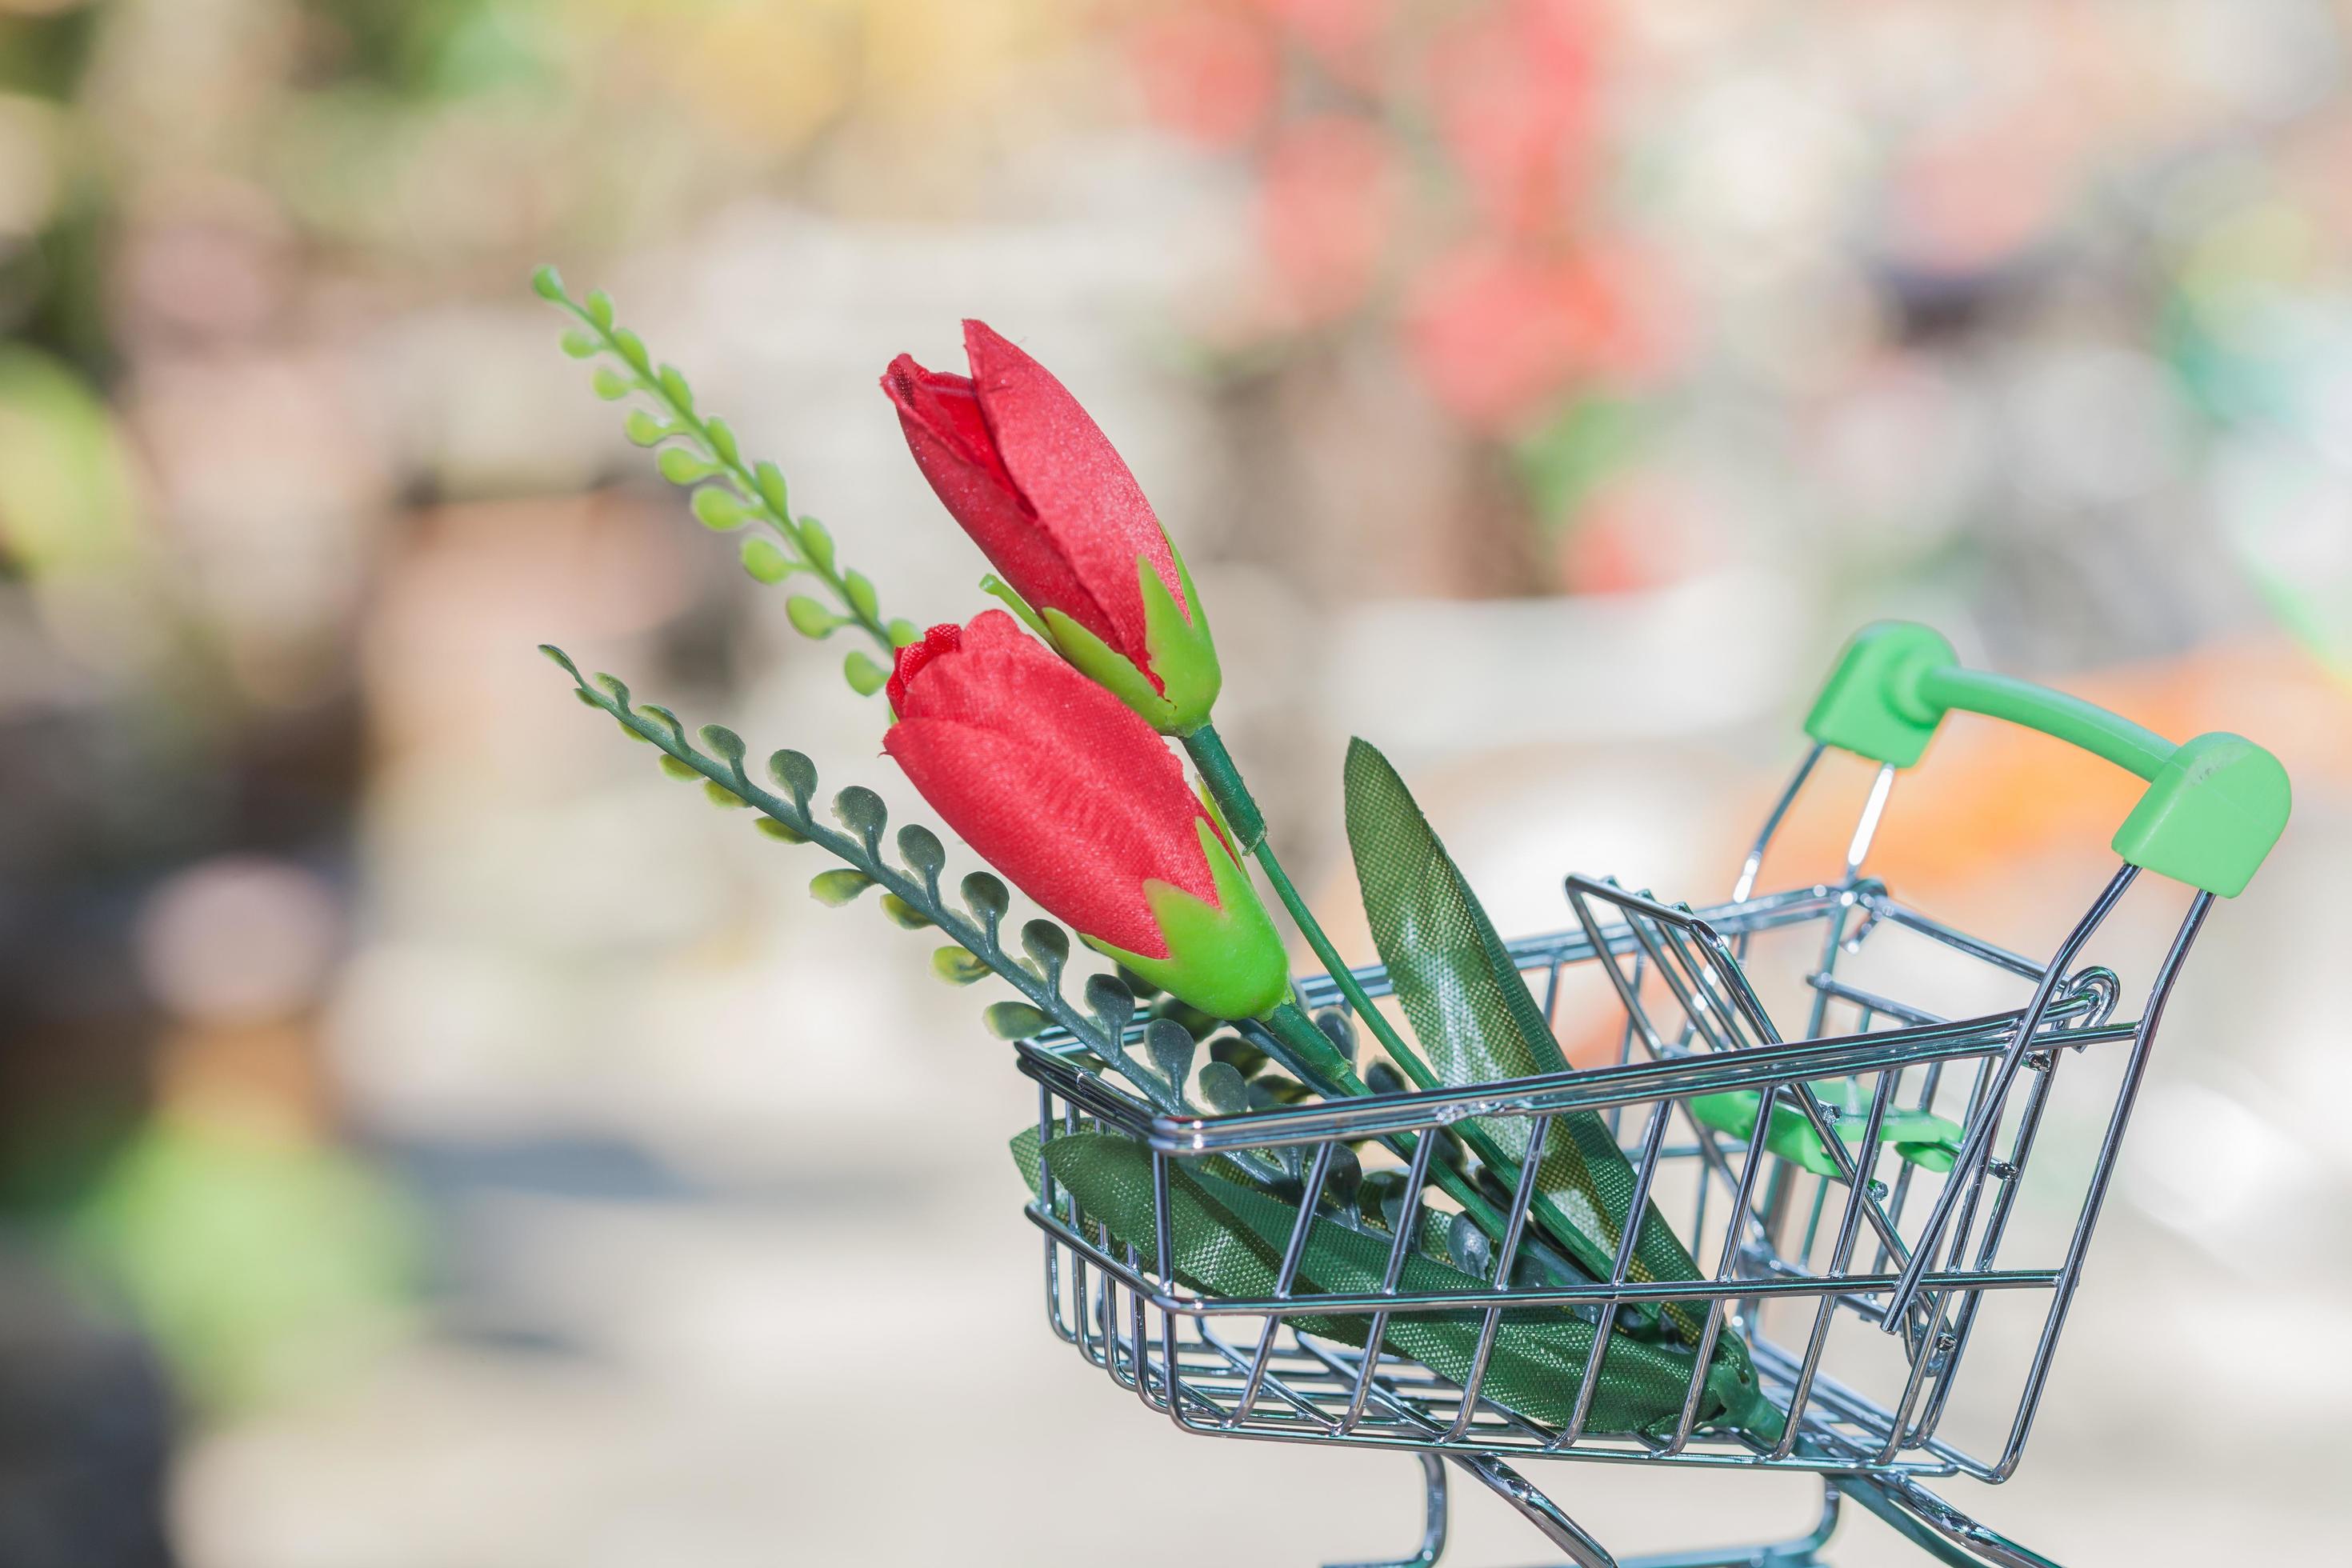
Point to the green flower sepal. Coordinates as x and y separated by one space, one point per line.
1224 958
1179 650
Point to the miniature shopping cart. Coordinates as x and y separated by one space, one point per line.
1864 1275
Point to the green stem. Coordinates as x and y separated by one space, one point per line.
1308 1052
1223 779
742 478
1225 783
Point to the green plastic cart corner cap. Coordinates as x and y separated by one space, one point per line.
2213 807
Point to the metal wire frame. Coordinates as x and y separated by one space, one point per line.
1693 1024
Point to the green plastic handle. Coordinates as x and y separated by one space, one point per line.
2213 807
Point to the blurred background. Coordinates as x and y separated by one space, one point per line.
428 1140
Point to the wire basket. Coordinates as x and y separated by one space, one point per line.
1902 1302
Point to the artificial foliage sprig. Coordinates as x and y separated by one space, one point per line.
699 453
913 894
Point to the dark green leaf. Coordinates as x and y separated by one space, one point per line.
796 773
1048 946
861 811
725 745
925 855
1245 1059
1339 1030
1222 1090
1111 1003
1170 1050
1136 983
985 897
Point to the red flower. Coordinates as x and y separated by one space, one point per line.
1075 800
1046 497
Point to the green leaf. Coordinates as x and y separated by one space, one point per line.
956 966
677 770
985 897
1137 983
925 855
1169 1048
783 830
581 346
682 466
905 633
902 914
1111 1003
722 439
859 591
765 560
599 306
1015 1021
810 618
816 543
632 348
614 688
862 812
643 428
721 794
611 384
1223 1089
1048 946
770 479
796 773
838 887
547 283
718 509
865 677
673 385
1477 1023
626 728
725 745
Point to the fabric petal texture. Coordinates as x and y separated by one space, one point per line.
1033 481
1051 780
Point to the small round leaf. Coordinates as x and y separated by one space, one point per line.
1169 1048
676 769
719 795
1222 1090
985 897
865 677
1016 1021
765 560
925 855
1111 1003
796 773
902 914
861 811
719 508
810 618
680 466
782 830
837 888
956 966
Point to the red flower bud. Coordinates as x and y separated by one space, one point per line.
1075 800
1049 502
